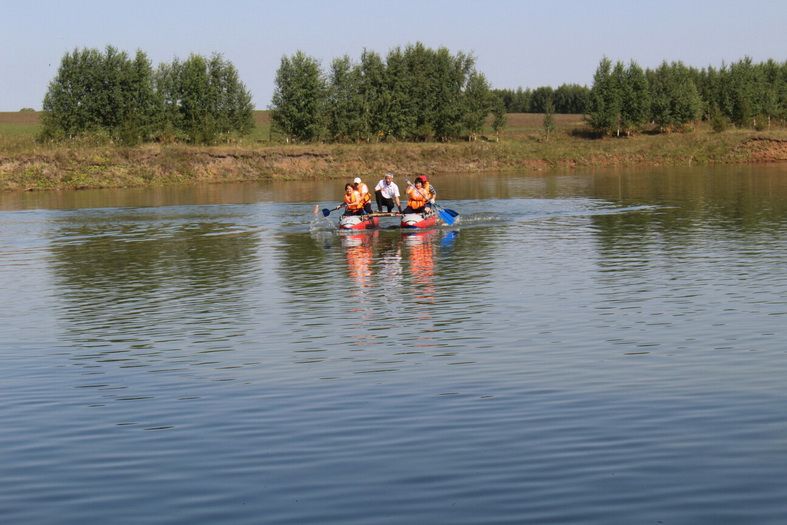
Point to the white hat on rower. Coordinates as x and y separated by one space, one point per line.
357 180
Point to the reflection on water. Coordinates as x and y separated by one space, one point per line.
581 348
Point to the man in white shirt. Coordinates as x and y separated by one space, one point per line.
387 193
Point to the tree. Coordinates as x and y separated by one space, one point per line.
675 99
400 112
635 99
477 104
498 115
539 99
571 98
372 90
744 84
345 101
202 99
451 84
101 92
605 99
299 98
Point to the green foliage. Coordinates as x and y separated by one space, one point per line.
571 98
515 101
744 93
372 92
567 98
498 113
675 99
202 100
345 102
478 103
635 99
108 94
719 122
540 98
605 99
417 93
106 91
299 98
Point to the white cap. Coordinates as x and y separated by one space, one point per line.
357 180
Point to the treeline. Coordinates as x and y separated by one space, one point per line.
414 94
567 98
110 94
626 98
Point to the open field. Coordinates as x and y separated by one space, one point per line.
28 165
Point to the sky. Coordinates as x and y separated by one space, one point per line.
515 43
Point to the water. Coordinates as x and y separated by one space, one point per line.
578 348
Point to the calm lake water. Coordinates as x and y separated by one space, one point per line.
586 348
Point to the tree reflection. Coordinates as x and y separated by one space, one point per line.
127 284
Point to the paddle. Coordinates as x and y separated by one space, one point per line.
326 211
446 215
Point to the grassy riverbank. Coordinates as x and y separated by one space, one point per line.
28 165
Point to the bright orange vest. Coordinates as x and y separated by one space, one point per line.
363 189
353 201
415 198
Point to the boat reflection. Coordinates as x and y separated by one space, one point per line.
421 255
359 252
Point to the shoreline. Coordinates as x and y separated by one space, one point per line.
29 166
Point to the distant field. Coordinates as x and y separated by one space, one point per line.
19 117
26 124
535 121
18 129
16 125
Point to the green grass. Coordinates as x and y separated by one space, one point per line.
522 145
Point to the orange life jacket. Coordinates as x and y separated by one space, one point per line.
363 189
353 201
416 199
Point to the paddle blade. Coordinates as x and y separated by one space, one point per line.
450 212
326 212
446 217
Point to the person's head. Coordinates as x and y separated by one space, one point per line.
357 181
348 188
388 178
419 180
424 179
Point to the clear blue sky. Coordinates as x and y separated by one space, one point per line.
516 43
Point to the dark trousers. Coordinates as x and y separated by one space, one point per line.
382 201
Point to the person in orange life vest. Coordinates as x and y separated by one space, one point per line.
352 201
363 189
429 191
420 196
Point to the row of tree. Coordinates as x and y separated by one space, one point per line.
567 98
625 98
196 100
415 93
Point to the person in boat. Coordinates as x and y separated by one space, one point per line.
429 190
363 190
420 196
353 202
386 194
